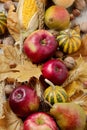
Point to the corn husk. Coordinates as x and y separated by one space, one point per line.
27 14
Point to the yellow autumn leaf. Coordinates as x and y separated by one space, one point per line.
24 68
26 71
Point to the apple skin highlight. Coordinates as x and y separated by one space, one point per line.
55 71
23 101
40 46
40 121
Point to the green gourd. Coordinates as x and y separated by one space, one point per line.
69 41
54 94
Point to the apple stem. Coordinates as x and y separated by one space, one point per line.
50 83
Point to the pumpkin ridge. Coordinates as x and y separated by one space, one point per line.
72 44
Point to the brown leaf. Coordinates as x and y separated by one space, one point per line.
36 84
11 53
27 70
9 57
24 68
12 23
12 121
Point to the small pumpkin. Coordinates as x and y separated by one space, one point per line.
3 23
54 94
69 40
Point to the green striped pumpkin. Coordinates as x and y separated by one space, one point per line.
69 41
3 23
55 94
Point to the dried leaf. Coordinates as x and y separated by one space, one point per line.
24 68
27 70
74 88
34 82
12 121
12 23
4 67
11 53
3 124
9 56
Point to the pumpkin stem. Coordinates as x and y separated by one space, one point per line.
50 83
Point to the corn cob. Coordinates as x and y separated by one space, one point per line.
26 10
29 17
30 12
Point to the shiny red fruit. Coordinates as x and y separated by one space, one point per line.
55 71
40 46
40 121
23 100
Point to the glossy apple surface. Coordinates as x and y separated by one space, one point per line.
23 100
40 45
40 121
55 71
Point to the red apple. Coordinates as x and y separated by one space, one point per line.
23 100
40 121
40 45
55 71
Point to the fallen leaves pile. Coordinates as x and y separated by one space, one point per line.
15 66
